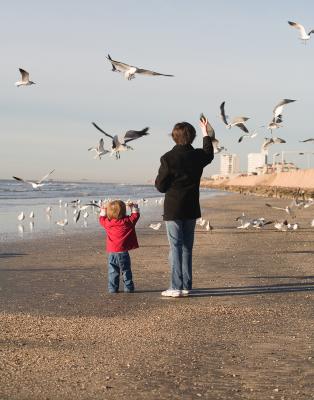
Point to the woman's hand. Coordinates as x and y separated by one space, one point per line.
206 128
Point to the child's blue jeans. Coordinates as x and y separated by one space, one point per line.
119 262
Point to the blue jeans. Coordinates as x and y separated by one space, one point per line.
181 238
119 262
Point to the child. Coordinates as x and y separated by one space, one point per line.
121 237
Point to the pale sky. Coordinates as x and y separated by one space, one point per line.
241 52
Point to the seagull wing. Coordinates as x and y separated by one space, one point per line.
222 113
149 72
45 177
19 179
101 145
278 140
279 107
118 65
97 127
276 208
306 140
299 27
132 135
242 137
25 75
242 127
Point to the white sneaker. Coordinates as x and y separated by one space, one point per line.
185 292
171 293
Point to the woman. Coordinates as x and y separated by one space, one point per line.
179 178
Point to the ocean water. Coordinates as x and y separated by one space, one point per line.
17 197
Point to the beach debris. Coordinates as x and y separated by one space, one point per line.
21 216
302 32
24 79
237 121
129 71
121 145
35 184
99 149
156 227
277 114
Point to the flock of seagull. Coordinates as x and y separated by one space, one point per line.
120 144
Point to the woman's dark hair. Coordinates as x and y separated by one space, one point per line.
183 133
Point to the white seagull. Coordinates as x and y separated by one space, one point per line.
270 141
117 145
303 35
99 149
21 216
287 209
277 114
62 222
36 184
248 135
156 227
129 71
25 79
237 121
210 130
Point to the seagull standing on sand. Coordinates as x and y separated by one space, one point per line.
36 184
117 145
303 35
25 79
277 115
156 227
62 222
237 121
129 71
21 216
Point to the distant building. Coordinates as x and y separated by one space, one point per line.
255 162
229 164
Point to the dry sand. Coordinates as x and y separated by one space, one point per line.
246 333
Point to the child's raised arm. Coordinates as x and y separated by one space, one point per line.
135 212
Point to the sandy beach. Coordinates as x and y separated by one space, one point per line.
245 333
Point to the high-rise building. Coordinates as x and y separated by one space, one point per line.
229 164
255 160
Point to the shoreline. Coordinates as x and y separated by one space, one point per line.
246 332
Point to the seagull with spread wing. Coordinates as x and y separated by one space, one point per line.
99 149
35 184
211 133
117 145
129 71
237 121
24 79
302 32
277 114
307 140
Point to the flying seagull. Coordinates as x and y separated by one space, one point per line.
248 135
211 132
277 114
99 149
303 35
129 71
25 79
287 209
36 184
117 145
270 141
237 121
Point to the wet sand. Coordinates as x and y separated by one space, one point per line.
245 333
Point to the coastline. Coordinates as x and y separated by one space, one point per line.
279 185
247 331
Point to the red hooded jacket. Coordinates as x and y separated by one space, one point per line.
121 235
